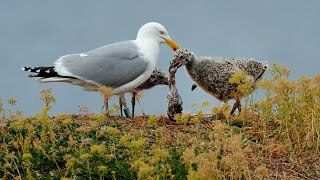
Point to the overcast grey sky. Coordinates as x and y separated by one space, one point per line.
35 33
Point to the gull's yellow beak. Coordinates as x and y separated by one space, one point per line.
172 44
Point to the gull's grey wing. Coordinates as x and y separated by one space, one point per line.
111 65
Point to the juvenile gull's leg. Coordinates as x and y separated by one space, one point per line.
133 103
120 104
236 105
239 107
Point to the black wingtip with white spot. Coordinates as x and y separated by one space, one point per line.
44 72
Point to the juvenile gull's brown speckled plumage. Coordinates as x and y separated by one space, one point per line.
213 74
174 99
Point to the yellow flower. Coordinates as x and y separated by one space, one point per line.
10 156
70 162
205 103
265 83
85 156
125 139
194 104
238 77
102 168
109 157
152 120
26 156
143 168
97 117
112 131
12 101
67 121
84 109
83 129
47 97
161 154
137 144
87 141
99 149
17 126
6 165
72 142
94 124
183 117
194 120
65 178
30 128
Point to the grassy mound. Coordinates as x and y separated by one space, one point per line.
277 137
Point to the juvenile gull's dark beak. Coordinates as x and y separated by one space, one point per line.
172 69
174 66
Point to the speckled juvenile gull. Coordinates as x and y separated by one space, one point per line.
213 74
122 66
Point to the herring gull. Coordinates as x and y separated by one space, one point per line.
122 66
213 74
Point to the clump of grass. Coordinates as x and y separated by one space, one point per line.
290 113
187 118
222 155
153 120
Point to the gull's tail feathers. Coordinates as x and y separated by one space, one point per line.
48 74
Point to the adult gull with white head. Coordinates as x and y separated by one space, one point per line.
122 66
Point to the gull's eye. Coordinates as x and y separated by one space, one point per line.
161 32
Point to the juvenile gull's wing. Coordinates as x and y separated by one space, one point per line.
111 65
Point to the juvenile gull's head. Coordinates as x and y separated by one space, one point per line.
180 58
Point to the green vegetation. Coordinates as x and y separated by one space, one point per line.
277 137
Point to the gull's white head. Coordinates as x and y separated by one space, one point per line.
157 32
